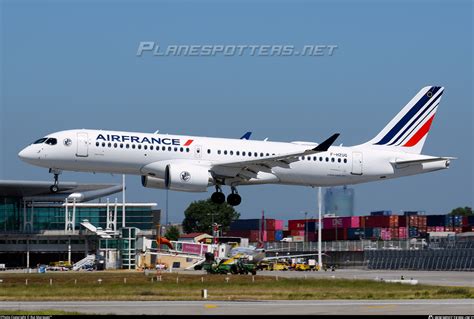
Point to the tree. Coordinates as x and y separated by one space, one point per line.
462 211
172 233
200 215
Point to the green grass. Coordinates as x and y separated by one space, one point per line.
85 286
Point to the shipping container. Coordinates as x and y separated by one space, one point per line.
279 224
355 233
334 234
270 235
410 213
286 233
458 230
270 224
369 233
439 229
312 226
299 224
422 221
457 221
381 213
246 224
385 234
466 229
435 220
470 220
312 236
377 221
402 232
278 235
376 232
298 238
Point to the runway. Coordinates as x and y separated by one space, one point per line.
281 307
438 278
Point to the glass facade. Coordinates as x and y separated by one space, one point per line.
53 218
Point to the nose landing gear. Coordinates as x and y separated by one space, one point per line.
55 187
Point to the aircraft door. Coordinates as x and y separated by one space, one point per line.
356 163
82 145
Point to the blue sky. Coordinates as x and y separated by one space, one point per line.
73 64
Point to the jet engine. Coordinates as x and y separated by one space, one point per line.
178 177
187 178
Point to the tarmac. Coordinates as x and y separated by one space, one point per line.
438 278
274 307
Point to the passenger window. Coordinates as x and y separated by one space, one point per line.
243 153
231 152
208 151
127 146
97 143
163 148
133 146
255 154
109 145
103 144
175 149
345 160
139 146
145 147
169 148
121 145
187 149
219 152
115 145
225 152
327 159
151 147
332 159
237 153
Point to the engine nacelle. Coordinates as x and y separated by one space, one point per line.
153 182
187 178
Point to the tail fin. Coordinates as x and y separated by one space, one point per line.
408 130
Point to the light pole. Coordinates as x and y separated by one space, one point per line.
320 221
305 228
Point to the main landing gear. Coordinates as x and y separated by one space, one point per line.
233 198
55 187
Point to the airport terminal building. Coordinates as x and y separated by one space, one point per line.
39 227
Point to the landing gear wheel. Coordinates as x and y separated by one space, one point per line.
218 198
55 187
234 199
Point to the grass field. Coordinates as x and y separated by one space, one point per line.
137 286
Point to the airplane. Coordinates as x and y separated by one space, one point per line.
192 163
257 255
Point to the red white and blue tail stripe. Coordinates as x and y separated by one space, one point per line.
408 130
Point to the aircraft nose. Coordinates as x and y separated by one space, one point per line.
25 154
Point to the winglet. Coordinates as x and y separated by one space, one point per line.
324 146
246 136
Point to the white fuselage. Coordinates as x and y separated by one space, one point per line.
132 153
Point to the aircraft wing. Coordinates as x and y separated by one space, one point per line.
247 169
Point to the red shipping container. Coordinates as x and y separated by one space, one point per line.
269 224
430 229
298 224
294 232
439 228
458 230
279 224
377 221
312 236
422 221
286 233
449 228
402 232
361 221
334 234
422 229
385 234
350 222
270 236
466 229
465 221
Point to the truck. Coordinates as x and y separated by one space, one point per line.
226 266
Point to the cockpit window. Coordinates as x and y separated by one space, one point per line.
51 141
41 140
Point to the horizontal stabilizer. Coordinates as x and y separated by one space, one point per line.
424 160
